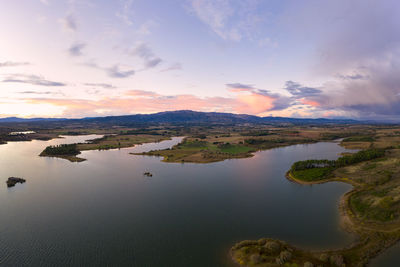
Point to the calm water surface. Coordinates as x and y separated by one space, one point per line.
104 212
389 258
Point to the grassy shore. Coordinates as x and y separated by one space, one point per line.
107 142
213 145
120 141
371 210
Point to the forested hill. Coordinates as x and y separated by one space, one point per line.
188 117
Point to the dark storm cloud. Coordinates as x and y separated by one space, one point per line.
358 44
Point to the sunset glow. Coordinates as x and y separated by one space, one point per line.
78 58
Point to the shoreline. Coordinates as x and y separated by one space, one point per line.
347 219
370 239
74 158
244 155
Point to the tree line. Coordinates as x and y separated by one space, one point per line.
360 156
64 149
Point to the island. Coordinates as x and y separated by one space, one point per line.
65 151
109 141
371 209
12 181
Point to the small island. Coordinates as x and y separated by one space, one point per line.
65 151
371 209
12 181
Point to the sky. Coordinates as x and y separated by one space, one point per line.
293 58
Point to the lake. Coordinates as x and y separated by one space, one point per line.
105 212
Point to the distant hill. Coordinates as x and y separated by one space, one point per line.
186 117
16 119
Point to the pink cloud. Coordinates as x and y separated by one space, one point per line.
309 102
138 101
254 103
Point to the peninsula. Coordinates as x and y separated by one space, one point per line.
371 209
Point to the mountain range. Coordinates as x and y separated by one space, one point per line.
185 117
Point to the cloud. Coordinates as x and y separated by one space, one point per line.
153 62
356 49
375 95
145 28
346 34
215 14
126 11
140 101
13 64
76 49
40 93
142 93
298 90
309 102
31 79
143 51
45 2
69 23
35 92
351 76
240 86
230 20
116 72
102 85
174 66
260 100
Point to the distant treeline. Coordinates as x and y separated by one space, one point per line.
65 149
142 131
348 135
360 156
366 138
267 142
256 133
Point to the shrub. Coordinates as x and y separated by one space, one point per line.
255 258
285 256
272 247
324 257
336 260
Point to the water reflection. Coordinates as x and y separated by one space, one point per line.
103 211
